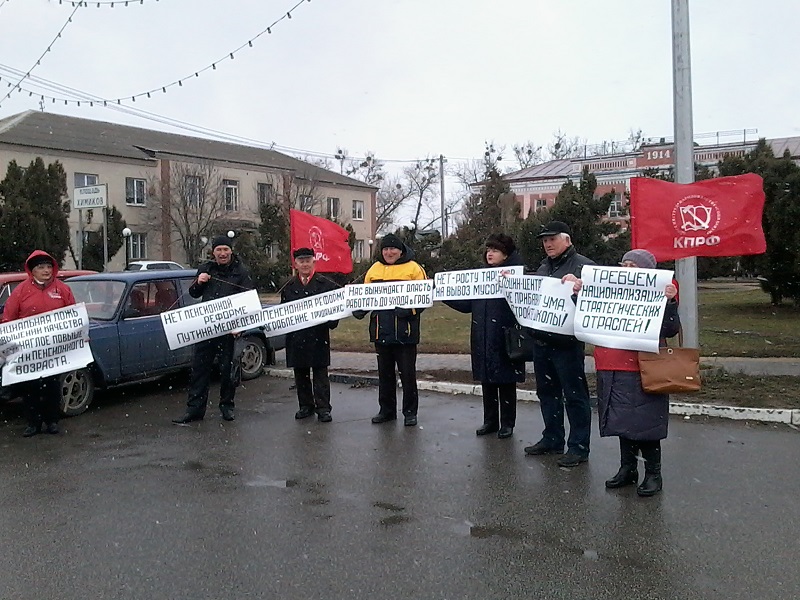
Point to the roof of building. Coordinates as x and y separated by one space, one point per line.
54 132
548 170
779 145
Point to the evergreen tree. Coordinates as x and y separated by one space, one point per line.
93 248
780 265
33 213
576 205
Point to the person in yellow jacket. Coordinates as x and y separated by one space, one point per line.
395 333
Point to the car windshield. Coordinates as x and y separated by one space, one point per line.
101 297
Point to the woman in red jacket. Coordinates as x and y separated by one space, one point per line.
41 292
624 409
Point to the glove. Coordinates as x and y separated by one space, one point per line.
404 313
359 314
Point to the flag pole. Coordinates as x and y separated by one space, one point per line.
685 268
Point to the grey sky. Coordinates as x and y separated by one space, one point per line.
410 78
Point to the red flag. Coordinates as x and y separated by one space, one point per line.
715 217
327 239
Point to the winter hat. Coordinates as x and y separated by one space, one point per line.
641 258
221 240
392 241
40 260
302 252
554 228
501 242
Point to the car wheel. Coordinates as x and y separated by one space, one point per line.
254 357
77 392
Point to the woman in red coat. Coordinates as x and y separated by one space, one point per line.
41 292
624 409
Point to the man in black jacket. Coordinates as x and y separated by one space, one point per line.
226 275
558 363
309 349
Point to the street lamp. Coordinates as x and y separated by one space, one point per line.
370 242
126 233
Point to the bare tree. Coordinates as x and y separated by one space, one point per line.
419 182
564 146
192 201
528 154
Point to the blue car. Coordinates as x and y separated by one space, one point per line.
127 338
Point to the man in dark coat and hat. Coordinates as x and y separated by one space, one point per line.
225 275
309 350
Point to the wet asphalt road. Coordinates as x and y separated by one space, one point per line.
126 505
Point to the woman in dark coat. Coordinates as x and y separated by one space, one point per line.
639 419
490 363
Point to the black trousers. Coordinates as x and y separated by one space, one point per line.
202 362
316 396
42 399
500 404
405 357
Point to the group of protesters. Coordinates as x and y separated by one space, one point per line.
639 419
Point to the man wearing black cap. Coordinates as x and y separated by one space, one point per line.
309 349
41 292
395 333
226 275
558 363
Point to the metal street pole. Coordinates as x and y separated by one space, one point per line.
685 268
441 196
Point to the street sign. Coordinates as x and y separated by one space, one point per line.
90 196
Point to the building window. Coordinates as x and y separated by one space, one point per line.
358 250
193 190
333 208
541 203
272 251
85 179
265 192
358 210
135 191
138 243
230 188
305 202
615 209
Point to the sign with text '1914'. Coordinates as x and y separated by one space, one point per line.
90 196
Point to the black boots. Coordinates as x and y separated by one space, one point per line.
487 428
628 473
651 453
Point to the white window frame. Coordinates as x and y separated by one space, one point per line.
330 204
138 242
358 250
85 179
541 203
230 190
138 187
194 189
616 208
358 210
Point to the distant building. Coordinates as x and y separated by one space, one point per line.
537 187
139 165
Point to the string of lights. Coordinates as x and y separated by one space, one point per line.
162 89
110 3
39 60
38 87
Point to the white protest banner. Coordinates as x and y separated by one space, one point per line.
472 284
390 294
542 303
621 308
304 313
45 344
206 320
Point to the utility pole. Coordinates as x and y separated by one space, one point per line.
441 196
685 268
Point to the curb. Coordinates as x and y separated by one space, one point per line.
787 416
